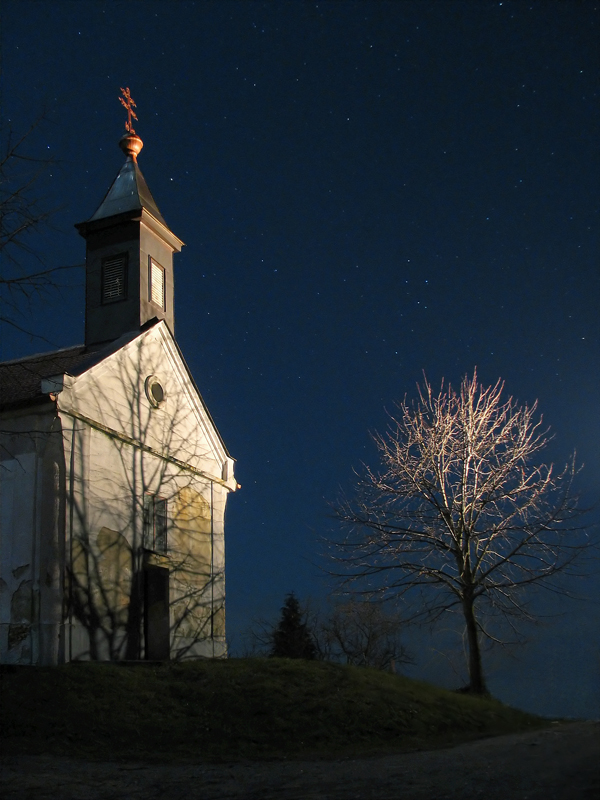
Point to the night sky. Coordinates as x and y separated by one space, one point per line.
366 190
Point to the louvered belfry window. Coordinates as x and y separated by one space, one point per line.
157 283
114 278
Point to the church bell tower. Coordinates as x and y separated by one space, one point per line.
129 253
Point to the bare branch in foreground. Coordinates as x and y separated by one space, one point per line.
23 216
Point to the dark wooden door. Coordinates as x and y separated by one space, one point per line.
156 616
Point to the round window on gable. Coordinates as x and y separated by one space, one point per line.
154 391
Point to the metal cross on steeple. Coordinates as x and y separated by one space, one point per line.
128 103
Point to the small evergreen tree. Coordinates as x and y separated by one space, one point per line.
291 637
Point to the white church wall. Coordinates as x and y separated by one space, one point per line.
31 538
17 599
109 554
75 492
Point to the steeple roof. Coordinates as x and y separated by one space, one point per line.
129 192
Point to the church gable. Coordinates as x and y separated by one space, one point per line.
144 393
150 477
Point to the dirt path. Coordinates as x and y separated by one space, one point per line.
561 763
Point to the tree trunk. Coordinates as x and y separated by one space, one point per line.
476 679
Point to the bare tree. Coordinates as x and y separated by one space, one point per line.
362 633
25 275
462 516
349 631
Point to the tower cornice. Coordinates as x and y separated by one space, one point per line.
136 215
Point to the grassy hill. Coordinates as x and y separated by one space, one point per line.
239 708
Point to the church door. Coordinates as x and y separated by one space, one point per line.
156 616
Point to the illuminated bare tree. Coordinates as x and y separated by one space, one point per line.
462 515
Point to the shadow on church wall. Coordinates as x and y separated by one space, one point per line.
134 541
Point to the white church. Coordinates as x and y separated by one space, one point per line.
114 478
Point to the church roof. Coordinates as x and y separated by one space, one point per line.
129 192
21 380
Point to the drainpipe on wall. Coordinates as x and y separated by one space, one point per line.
71 482
34 626
212 568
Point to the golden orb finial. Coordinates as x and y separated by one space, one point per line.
131 144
